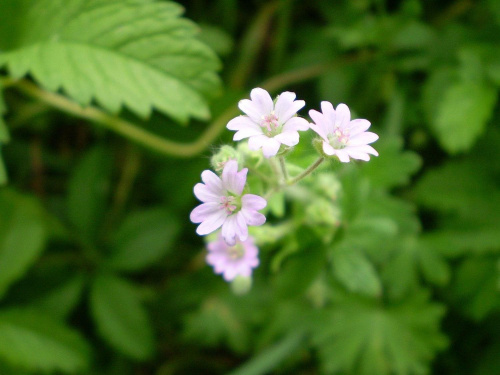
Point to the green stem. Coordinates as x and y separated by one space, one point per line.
158 144
251 45
307 172
283 168
274 167
128 129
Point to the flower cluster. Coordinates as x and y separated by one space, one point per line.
272 127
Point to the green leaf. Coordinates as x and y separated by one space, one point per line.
272 357
477 286
35 342
143 239
4 132
61 301
393 167
355 271
363 337
401 271
120 317
462 115
276 204
3 172
88 191
137 53
22 236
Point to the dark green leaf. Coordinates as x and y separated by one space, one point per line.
120 317
140 54
22 236
88 192
462 115
143 239
35 342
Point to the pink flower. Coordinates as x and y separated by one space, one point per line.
268 125
342 136
232 261
223 204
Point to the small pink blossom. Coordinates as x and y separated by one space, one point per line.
343 137
232 261
268 125
223 204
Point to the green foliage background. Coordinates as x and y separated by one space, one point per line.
111 109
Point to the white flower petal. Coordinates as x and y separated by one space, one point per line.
204 211
290 138
212 222
286 107
253 202
342 155
270 147
262 100
367 149
246 132
357 154
240 122
342 115
323 123
241 227
229 231
319 131
233 180
256 142
296 123
358 126
251 109
204 194
328 149
253 217
213 182
362 139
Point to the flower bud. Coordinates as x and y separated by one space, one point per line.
321 211
220 159
241 285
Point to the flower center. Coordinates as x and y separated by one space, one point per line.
339 138
228 204
236 252
270 123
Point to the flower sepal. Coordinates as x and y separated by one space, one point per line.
241 285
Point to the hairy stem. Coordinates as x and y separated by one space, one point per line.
307 172
283 168
159 144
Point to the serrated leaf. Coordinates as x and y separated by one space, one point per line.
88 191
363 337
354 271
143 239
462 115
22 236
137 53
393 167
410 259
120 317
35 342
